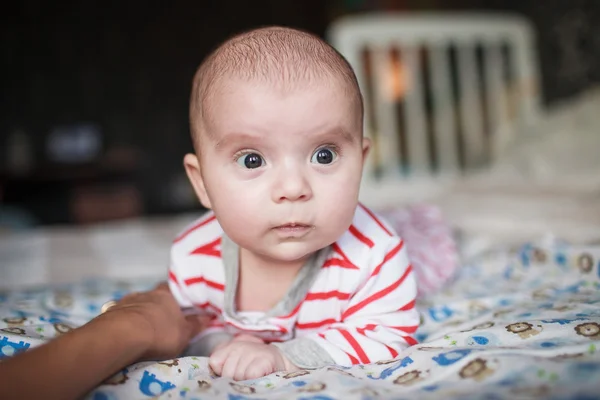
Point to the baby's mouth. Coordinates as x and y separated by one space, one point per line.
293 228
294 225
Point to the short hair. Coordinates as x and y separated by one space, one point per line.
281 56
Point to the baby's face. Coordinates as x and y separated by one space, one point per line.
282 170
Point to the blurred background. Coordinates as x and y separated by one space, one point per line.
93 115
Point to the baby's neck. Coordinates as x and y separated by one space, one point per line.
263 282
269 268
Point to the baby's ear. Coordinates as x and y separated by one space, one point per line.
366 146
192 168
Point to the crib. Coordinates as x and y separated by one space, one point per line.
444 94
454 113
447 97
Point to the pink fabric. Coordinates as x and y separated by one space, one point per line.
430 245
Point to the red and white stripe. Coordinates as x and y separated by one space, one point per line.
360 307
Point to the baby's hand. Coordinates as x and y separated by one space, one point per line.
245 337
242 337
242 360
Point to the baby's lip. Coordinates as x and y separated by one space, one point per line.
293 230
293 225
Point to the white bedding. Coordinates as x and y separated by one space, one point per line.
519 323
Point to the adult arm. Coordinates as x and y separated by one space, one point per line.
142 326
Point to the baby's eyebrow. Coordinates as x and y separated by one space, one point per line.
339 132
232 138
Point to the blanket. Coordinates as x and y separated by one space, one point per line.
514 323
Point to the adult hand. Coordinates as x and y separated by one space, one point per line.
158 318
141 326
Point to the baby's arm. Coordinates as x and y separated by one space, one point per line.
377 324
209 339
213 337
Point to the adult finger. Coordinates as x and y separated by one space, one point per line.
107 306
125 301
134 299
194 325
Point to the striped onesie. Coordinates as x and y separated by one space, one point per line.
351 303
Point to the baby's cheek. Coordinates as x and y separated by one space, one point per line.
237 198
339 194
335 217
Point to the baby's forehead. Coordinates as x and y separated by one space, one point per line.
283 76
247 98
234 92
240 104
265 111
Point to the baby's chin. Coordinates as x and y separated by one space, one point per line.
291 251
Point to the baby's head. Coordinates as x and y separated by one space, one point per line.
276 118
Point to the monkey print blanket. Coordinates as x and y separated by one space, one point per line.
514 323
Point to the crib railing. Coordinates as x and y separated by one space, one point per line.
444 93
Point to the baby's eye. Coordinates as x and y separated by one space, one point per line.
250 161
324 155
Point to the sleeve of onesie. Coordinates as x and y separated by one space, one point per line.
176 281
207 340
378 322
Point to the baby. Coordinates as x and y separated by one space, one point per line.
294 272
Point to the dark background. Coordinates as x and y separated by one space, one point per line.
126 66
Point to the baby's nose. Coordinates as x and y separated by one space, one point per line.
292 186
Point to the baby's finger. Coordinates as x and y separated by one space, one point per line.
257 369
244 362
230 367
217 360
